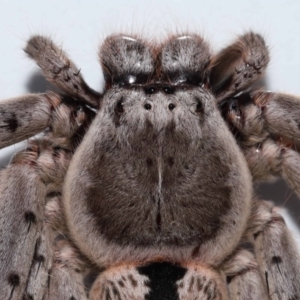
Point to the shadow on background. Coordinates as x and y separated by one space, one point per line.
38 84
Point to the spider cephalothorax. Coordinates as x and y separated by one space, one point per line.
153 192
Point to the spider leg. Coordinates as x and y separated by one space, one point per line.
243 277
238 66
25 116
276 252
41 265
269 159
26 240
66 277
266 128
280 113
36 175
60 70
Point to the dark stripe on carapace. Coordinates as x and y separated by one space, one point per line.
162 280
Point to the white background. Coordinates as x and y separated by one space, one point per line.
81 25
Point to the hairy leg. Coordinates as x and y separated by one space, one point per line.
22 193
66 280
243 277
266 127
26 239
60 70
276 252
65 119
35 176
25 116
239 65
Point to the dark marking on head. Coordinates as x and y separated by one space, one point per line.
170 161
118 111
162 280
28 297
149 162
72 298
196 251
199 106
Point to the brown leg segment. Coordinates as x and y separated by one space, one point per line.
239 65
60 70
25 116
243 277
277 254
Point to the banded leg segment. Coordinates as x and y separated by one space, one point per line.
60 70
243 277
41 265
239 65
26 240
66 119
23 117
66 279
269 159
22 194
276 252
267 127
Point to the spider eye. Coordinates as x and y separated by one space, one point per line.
151 89
79 108
168 90
147 106
233 105
171 106
120 106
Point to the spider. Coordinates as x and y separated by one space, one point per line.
145 191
